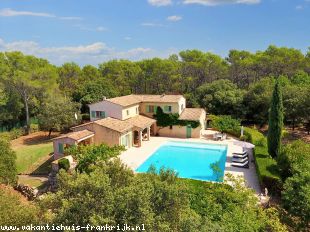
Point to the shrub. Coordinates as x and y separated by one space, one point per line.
266 167
85 117
294 158
12 134
296 197
34 128
227 124
87 156
165 120
64 164
8 171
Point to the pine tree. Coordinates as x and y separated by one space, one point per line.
275 122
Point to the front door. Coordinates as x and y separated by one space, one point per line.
188 131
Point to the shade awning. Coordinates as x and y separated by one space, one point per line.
141 122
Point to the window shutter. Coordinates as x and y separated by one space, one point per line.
102 114
60 148
148 109
155 109
166 108
93 114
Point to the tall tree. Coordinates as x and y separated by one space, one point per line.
275 121
29 77
58 113
221 97
69 75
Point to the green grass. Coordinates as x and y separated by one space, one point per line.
32 157
31 181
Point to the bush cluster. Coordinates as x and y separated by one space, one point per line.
64 164
165 120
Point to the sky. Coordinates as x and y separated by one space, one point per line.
94 31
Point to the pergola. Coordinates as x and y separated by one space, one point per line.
141 128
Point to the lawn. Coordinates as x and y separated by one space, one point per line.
33 154
30 157
34 182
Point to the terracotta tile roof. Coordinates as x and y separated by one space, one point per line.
192 114
78 135
160 98
114 124
141 121
136 99
125 100
85 124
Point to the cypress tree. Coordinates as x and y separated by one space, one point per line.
275 122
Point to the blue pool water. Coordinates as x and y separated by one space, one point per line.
189 160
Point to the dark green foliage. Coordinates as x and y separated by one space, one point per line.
221 97
64 164
294 164
15 210
94 90
162 202
88 156
225 123
238 85
8 171
165 120
275 122
266 167
58 113
296 197
294 158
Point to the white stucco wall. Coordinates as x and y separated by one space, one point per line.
110 109
182 102
129 112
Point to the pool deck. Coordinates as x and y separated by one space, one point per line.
134 156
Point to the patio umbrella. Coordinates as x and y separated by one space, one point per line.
244 144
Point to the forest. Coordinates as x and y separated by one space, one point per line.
251 89
239 85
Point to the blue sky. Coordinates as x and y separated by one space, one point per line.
93 31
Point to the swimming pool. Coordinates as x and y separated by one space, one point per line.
189 160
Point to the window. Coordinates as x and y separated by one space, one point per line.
102 114
150 109
98 114
137 110
127 112
168 109
182 107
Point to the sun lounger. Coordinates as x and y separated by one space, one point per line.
244 155
241 153
241 165
240 160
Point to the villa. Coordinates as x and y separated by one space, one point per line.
129 120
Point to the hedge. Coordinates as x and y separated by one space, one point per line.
266 167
